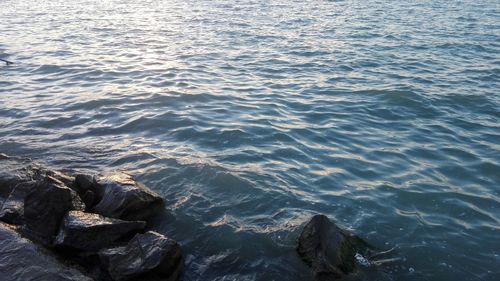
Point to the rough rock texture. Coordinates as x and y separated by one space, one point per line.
118 195
20 259
58 211
327 249
19 178
150 253
92 232
44 208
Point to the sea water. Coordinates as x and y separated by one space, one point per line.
249 117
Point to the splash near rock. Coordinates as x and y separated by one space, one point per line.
329 250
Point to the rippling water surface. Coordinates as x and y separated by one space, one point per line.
250 116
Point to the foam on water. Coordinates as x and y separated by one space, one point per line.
250 117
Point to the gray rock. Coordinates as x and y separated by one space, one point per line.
20 259
44 208
150 254
120 196
92 232
329 250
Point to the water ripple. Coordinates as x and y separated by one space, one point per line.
250 117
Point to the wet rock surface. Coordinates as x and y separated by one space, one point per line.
87 186
91 232
66 218
12 210
21 259
13 172
44 208
118 195
329 250
150 254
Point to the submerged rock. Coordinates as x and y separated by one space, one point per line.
150 254
118 195
44 208
92 232
21 259
329 250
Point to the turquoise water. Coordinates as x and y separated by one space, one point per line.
251 116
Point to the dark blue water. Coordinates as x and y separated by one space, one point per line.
250 116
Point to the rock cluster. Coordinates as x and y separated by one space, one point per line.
83 227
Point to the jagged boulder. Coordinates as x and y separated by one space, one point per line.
150 254
18 178
329 250
44 208
118 195
21 259
92 232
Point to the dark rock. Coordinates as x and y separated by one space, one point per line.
120 196
329 250
88 189
76 199
85 181
15 170
20 178
89 198
150 254
44 208
92 232
12 210
47 203
20 259
12 172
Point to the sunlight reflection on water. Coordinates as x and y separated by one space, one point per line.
250 117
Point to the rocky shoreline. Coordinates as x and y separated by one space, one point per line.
55 226
81 227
